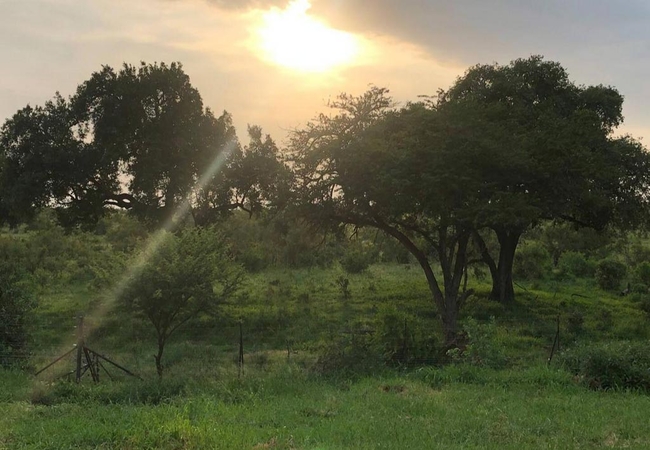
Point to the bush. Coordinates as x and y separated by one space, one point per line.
484 348
642 274
253 259
532 262
575 322
639 288
614 365
644 304
16 304
402 340
122 231
636 252
350 355
576 264
610 274
355 261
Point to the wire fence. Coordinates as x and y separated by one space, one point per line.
201 347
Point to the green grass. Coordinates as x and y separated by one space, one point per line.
282 403
286 409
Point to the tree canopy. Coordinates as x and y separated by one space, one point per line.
138 138
505 148
541 148
191 273
372 165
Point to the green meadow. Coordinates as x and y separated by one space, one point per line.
318 371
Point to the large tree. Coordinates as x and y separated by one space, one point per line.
253 178
540 148
372 165
138 138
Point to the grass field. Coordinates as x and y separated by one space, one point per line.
284 409
282 402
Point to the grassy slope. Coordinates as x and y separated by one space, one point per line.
201 404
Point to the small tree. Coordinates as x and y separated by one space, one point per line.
190 274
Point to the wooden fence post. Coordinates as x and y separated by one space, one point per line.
80 346
240 361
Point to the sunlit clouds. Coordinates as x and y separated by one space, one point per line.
292 38
276 63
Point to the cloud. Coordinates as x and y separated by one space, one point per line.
467 30
236 5
597 41
413 47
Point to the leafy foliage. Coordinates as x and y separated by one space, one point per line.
610 274
541 147
403 340
138 139
614 365
16 304
483 346
356 259
642 273
532 262
577 265
347 356
189 274
347 173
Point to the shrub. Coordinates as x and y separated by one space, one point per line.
644 305
636 252
122 231
392 251
532 262
16 304
191 273
347 356
614 365
576 264
253 258
575 322
402 340
484 348
642 274
609 274
639 288
355 261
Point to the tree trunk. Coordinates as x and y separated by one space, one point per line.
450 323
502 284
158 357
453 264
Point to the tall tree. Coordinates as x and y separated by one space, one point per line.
138 138
371 165
541 147
252 179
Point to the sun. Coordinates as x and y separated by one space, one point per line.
291 38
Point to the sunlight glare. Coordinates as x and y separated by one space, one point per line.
293 39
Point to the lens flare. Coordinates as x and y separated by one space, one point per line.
108 300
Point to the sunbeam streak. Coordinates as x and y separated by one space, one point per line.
108 300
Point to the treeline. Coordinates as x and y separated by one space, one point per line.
456 180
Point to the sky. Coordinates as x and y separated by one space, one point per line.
250 57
